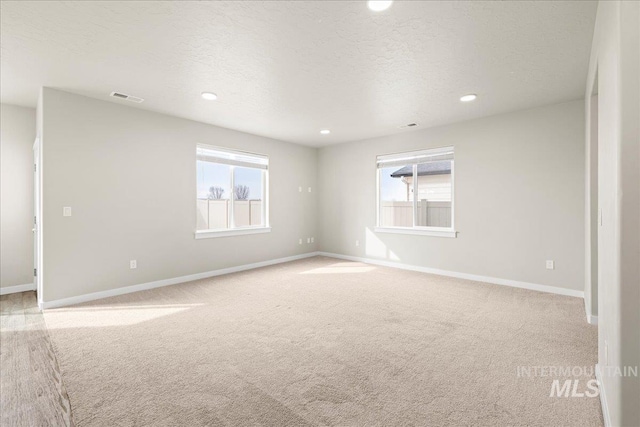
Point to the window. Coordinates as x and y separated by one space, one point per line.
232 196
415 192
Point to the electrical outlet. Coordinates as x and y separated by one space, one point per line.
308 239
312 240
299 241
66 211
309 189
133 264
357 242
550 264
300 189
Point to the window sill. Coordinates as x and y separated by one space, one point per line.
208 234
417 231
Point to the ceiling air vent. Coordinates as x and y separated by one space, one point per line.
408 125
127 97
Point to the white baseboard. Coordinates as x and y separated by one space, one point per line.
474 277
591 319
175 280
603 398
18 288
167 282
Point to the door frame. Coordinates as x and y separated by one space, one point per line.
37 221
593 204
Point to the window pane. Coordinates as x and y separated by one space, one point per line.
434 194
396 196
248 201
214 182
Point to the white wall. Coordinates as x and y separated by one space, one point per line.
17 134
519 197
615 59
113 164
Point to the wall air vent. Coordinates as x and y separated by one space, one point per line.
409 125
127 97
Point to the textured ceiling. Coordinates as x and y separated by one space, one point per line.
288 69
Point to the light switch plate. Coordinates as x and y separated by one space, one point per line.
550 264
66 211
600 216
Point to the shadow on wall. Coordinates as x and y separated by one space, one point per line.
443 253
376 248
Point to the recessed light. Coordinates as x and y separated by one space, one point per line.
379 5
325 131
468 98
209 96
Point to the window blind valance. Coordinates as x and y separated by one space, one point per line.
233 158
415 157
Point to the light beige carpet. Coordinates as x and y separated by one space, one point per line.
323 342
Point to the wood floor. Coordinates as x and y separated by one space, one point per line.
31 390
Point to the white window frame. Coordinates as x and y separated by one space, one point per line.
411 156
235 158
